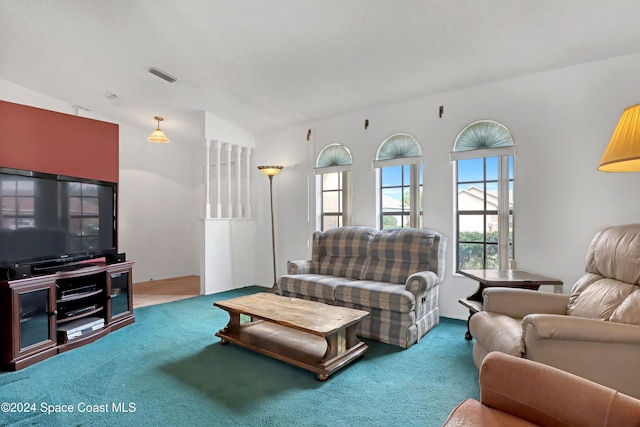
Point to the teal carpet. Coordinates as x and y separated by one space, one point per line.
168 369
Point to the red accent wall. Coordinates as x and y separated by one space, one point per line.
47 141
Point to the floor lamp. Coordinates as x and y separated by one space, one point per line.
272 171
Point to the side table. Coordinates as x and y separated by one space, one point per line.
502 278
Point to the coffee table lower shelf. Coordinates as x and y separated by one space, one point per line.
302 349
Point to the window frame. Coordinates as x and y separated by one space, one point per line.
416 189
344 199
505 213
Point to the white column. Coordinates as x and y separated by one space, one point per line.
207 180
247 181
229 193
218 177
238 198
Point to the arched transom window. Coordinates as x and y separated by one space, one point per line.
484 156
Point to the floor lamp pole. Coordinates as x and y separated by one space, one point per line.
272 171
273 233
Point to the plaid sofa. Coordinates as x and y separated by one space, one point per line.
393 274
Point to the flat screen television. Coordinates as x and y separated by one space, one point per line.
51 220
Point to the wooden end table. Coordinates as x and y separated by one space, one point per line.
311 335
502 278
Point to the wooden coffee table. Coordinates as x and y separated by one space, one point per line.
310 335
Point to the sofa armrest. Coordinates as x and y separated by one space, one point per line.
549 396
301 267
573 328
518 303
419 283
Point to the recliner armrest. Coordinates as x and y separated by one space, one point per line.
572 328
518 303
418 283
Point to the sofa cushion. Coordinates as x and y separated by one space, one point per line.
313 285
395 254
386 296
341 251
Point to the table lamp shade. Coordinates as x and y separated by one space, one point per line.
623 152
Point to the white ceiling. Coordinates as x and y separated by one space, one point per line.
268 64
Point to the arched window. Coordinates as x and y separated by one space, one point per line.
484 156
333 166
399 160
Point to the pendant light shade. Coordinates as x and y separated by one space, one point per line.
158 135
623 152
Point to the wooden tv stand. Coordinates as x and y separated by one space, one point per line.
44 315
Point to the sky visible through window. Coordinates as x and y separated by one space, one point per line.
392 176
470 171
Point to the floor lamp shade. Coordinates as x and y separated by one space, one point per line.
623 152
272 171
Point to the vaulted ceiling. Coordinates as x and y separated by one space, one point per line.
269 64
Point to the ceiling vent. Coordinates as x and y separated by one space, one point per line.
163 75
110 96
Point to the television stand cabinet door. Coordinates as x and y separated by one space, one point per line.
28 321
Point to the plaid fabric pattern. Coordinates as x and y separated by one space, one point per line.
395 254
316 285
301 267
342 251
385 296
392 274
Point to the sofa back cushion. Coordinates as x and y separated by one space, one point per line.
612 277
342 251
395 254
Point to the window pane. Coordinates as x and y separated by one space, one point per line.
471 256
470 170
331 181
331 201
471 197
492 257
492 168
511 167
471 228
391 175
392 200
331 221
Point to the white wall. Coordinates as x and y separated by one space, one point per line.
158 196
159 206
561 121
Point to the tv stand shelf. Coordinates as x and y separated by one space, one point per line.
43 315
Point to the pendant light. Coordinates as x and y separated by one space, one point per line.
158 135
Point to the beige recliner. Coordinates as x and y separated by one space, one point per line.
594 332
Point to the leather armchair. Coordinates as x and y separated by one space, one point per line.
519 392
594 332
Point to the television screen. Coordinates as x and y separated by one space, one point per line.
49 218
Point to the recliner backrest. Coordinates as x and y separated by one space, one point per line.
610 288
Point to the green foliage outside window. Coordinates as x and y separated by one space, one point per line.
471 256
